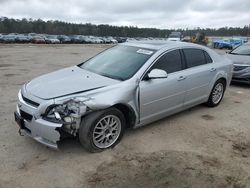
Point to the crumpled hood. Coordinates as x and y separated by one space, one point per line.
67 81
239 59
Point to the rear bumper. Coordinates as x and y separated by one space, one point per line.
42 131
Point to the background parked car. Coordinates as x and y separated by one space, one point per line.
99 40
38 40
23 39
95 40
106 40
186 39
241 60
64 39
86 40
109 40
113 41
120 39
174 36
9 38
77 39
227 43
52 39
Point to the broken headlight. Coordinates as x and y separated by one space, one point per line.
67 112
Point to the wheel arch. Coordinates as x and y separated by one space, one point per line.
223 79
221 75
128 112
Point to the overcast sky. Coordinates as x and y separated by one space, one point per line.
142 13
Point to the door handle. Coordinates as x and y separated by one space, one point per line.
212 69
181 78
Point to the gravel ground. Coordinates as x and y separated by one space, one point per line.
200 147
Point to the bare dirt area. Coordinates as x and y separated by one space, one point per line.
201 147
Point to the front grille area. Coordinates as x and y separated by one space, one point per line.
239 68
28 101
242 79
25 115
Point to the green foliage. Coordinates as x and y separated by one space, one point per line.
9 25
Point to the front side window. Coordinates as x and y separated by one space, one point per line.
120 62
170 62
194 57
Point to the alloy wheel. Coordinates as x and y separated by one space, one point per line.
106 131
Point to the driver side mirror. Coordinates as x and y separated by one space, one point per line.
157 73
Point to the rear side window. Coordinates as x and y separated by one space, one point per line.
194 57
170 62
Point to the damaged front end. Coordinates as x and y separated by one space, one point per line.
42 131
68 113
48 121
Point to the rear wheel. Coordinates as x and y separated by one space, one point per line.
102 130
217 93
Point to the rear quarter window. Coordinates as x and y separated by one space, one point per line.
208 58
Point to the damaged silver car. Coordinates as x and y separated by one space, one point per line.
126 86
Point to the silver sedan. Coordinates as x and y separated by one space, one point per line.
241 60
126 86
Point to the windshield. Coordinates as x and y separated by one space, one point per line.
242 50
120 62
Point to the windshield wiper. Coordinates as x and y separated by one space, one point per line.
232 53
237 54
113 77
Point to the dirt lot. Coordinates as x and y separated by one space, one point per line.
201 147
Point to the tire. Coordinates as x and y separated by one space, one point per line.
218 90
92 129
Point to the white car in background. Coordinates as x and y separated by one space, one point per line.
174 36
52 39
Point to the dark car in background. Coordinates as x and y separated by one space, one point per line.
241 61
9 38
23 39
64 39
76 39
120 39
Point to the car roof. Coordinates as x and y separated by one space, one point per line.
158 45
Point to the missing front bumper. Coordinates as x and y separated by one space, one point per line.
42 131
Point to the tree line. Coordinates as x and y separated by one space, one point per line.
10 25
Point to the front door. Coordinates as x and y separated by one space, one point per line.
163 96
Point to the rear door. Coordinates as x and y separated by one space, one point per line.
200 71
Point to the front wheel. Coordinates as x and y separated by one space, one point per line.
102 130
217 93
